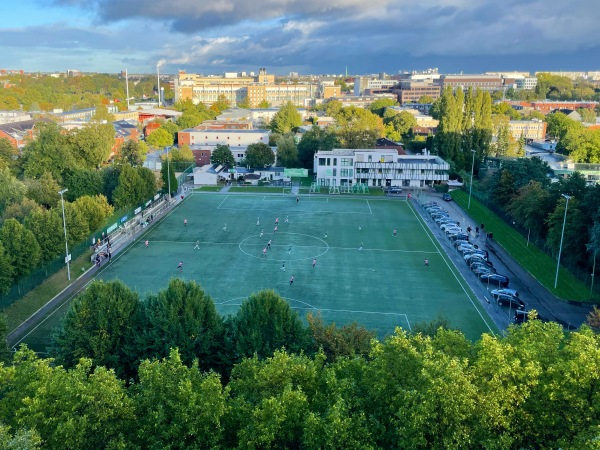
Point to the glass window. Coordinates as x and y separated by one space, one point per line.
334 172
321 161
335 161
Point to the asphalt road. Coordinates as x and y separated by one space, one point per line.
530 290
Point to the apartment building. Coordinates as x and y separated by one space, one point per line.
484 82
362 84
237 87
529 129
233 138
526 83
411 91
378 167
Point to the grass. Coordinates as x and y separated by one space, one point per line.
259 189
535 261
209 188
23 308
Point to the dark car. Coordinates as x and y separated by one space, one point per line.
447 197
505 299
521 316
496 279
459 237
393 190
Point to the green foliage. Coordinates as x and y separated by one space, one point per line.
95 209
47 227
358 128
244 103
43 190
21 440
160 138
167 175
180 154
49 151
77 225
132 188
287 152
110 181
259 155
11 189
81 182
220 105
263 104
222 155
313 141
530 207
378 106
286 119
22 249
92 144
575 231
100 324
149 183
132 153
8 154
264 323
400 126
425 100
185 317
21 210
6 271
432 327
178 407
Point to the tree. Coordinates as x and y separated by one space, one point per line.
43 190
77 225
110 181
358 128
264 323
47 227
172 128
149 184
263 104
92 144
49 151
160 138
400 125
101 325
220 105
222 156
131 188
244 103
21 440
8 154
180 154
183 316
286 119
333 108
529 207
21 247
587 115
287 152
133 153
314 140
593 319
425 100
102 114
575 231
190 120
378 107
11 189
259 155
167 175
21 210
559 124
94 209
81 182
6 271
178 406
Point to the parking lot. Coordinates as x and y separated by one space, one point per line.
452 220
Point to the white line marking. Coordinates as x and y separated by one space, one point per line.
445 259
370 211
218 207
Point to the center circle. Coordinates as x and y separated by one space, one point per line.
284 246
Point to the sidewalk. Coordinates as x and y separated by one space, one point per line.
531 291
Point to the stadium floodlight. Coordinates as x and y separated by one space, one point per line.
67 256
562 235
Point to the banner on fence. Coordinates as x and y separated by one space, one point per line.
295 173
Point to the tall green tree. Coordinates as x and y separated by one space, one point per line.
287 152
575 231
167 175
183 316
21 247
379 106
286 119
11 189
43 190
81 182
131 188
358 128
178 406
400 125
47 227
529 208
160 138
132 153
49 151
6 271
9 155
92 144
264 323
101 325
259 155
220 105
95 210
20 210
313 141
222 155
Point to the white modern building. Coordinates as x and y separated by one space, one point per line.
378 167
233 138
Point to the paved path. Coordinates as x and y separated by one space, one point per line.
531 291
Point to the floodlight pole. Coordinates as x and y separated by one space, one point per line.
562 235
168 174
65 230
471 185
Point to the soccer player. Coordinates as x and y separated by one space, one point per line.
290 250
326 235
146 242
277 221
197 246
258 221
180 266
360 248
292 280
262 232
426 263
395 232
283 266
269 244
314 262
287 220
275 229
185 222
265 251
225 227
359 227
297 200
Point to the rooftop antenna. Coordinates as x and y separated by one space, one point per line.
127 88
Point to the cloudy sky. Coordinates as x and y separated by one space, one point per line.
306 36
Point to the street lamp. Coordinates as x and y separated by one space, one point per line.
168 174
568 197
471 185
67 256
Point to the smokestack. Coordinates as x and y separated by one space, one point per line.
127 88
160 63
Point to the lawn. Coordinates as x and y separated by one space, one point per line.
209 188
535 261
362 273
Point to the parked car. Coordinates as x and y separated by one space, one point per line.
473 256
521 316
393 190
440 219
495 279
449 225
506 299
512 292
479 269
459 237
465 248
447 197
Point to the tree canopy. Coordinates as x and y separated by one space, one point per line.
259 155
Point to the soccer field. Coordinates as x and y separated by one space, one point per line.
384 285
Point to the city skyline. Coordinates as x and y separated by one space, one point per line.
308 37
